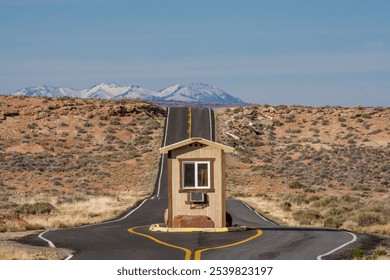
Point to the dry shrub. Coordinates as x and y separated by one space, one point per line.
38 208
295 185
334 222
365 219
286 206
307 217
296 198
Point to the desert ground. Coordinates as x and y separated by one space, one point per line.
311 166
68 162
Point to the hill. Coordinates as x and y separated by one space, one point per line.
67 162
313 166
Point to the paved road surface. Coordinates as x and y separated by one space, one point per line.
112 239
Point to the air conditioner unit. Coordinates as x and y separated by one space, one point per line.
197 197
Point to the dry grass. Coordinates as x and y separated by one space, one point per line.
11 250
14 251
268 208
379 253
92 210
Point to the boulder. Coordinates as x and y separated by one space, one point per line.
187 221
11 113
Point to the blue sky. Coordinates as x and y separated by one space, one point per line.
333 52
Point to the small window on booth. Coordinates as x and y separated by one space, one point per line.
196 174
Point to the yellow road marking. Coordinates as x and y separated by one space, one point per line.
198 253
187 251
156 227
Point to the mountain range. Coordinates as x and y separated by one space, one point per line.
190 92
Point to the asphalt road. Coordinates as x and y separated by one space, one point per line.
128 237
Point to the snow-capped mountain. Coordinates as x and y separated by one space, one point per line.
112 90
191 92
48 91
102 91
197 92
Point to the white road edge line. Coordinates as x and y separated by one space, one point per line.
166 127
51 244
354 238
69 257
159 180
211 126
162 156
261 216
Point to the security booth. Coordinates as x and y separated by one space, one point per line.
196 183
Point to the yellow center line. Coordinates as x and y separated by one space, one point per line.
187 251
198 253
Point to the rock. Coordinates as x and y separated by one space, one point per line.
11 113
41 115
270 110
187 221
119 111
53 107
128 110
264 120
248 111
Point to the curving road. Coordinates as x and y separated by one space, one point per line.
128 237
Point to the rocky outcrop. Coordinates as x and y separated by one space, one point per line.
127 110
8 112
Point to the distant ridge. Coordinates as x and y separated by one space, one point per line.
197 92
189 92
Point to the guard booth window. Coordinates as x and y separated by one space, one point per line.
196 174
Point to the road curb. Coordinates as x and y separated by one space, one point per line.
163 228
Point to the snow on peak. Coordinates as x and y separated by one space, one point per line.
197 92
49 91
113 90
190 92
104 91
